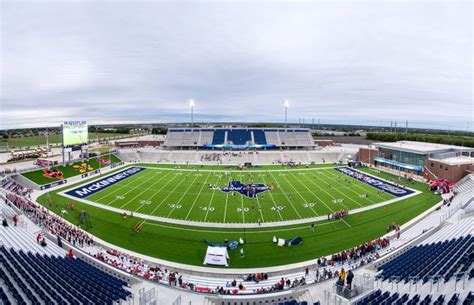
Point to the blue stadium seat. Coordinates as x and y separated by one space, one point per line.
259 137
439 260
219 137
238 136
57 280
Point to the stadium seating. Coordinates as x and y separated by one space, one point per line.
57 280
442 259
465 184
219 137
259 137
396 298
238 136
294 302
151 155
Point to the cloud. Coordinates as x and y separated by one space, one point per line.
358 62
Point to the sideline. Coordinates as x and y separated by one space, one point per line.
231 224
235 225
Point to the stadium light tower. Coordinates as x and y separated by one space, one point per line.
286 103
191 105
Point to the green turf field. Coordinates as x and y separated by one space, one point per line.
184 244
68 171
186 194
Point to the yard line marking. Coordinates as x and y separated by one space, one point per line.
340 184
342 218
359 184
330 195
184 194
145 190
169 194
242 199
304 199
133 188
126 183
210 201
330 210
226 202
291 203
350 189
199 194
260 208
274 203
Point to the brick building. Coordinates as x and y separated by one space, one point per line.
429 160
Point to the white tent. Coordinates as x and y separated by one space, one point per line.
217 256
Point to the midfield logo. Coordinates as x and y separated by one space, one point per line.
250 190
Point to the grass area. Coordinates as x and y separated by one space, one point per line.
184 244
195 195
101 149
67 170
54 139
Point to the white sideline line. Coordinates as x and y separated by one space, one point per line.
247 232
233 225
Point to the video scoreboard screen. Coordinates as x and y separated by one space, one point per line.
75 132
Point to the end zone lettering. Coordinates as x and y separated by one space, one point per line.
380 184
98 185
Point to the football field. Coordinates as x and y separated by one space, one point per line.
200 195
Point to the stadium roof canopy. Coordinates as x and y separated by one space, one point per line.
422 147
459 160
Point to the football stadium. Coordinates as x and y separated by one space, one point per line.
204 204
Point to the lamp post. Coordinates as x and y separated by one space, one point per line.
286 103
191 105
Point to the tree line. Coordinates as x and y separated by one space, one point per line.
421 137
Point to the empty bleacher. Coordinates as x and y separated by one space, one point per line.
210 137
442 259
219 137
396 298
153 155
34 274
465 184
238 137
259 137
42 279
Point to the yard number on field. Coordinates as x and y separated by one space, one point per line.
210 209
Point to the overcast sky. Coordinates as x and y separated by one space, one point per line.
355 62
